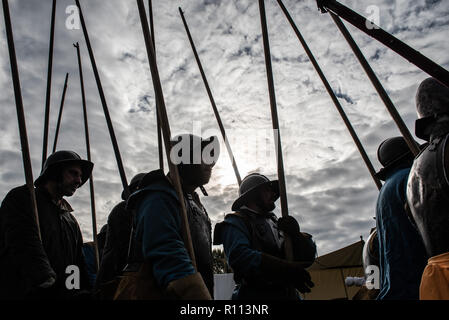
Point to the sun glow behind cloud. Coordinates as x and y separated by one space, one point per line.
329 188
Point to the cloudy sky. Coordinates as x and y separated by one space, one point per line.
329 188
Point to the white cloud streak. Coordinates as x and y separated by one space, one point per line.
329 188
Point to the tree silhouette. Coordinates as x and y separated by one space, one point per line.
220 265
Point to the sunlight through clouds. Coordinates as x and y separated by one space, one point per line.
329 188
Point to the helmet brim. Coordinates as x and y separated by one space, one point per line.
385 171
85 165
242 200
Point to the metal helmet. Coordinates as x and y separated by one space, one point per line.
194 145
64 158
432 101
134 184
252 183
392 153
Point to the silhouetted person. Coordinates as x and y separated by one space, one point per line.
160 266
402 256
428 186
30 268
253 241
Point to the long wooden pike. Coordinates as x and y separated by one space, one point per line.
174 174
61 107
20 114
150 15
49 74
91 180
276 129
331 93
212 100
104 104
378 86
387 39
158 120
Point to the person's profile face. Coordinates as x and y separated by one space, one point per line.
267 197
71 179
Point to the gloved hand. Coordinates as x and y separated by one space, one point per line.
302 280
304 249
289 225
286 272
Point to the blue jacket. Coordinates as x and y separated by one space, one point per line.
158 227
236 243
402 256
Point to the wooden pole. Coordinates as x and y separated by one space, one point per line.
174 174
104 104
387 39
91 179
212 100
150 14
58 125
331 93
20 114
158 120
276 129
49 74
378 86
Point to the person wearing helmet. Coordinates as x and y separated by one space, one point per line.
34 269
159 265
428 185
399 244
115 252
253 238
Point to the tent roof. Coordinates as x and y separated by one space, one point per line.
350 256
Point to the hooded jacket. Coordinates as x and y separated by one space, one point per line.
158 232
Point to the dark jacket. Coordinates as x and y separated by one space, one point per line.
245 235
25 262
115 252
